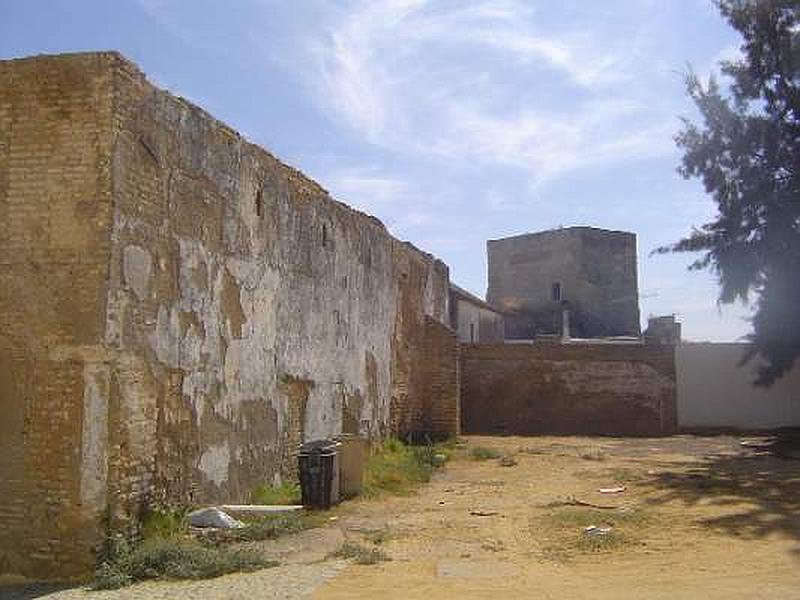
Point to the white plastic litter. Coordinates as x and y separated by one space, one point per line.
612 490
595 530
213 517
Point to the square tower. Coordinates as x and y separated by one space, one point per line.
590 272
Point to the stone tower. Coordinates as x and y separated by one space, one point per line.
589 272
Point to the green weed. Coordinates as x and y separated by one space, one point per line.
172 558
286 493
164 523
274 526
396 468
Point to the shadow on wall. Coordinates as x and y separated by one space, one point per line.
768 480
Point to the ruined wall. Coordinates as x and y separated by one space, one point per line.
179 310
594 268
410 370
568 389
262 311
55 215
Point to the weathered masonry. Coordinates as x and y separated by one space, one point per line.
588 271
178 309
606 389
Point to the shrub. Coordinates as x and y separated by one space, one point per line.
172 558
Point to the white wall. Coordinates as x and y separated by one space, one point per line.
713 391
469 320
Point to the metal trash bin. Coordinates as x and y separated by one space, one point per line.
318 465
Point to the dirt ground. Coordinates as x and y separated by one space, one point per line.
700 517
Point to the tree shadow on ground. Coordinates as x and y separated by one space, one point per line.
756 492
29 591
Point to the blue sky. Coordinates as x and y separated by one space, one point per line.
452 121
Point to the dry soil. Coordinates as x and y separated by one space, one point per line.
700 517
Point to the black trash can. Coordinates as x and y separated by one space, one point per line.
319 473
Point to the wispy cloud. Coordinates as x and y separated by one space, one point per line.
433 79
369 188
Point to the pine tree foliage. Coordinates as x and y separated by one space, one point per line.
747 154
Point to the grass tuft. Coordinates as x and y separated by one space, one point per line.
395 468
363 555
274 526
601 543
484 453
569 537
379 537
286 493
164 523
595 454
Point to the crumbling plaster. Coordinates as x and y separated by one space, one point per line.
179 311
237 274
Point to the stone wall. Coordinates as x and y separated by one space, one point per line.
179 310
595 271
606 389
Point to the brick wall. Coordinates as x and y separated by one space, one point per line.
178 309
433 409
442 414
568 389
55 210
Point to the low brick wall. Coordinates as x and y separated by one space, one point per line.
433 409
569 389
442 415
